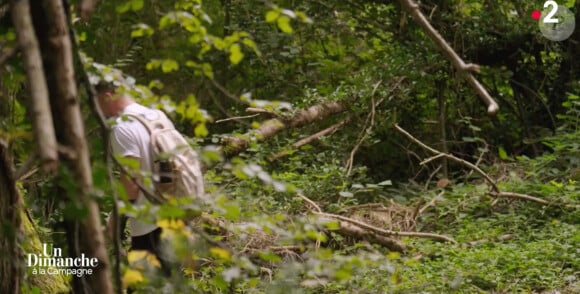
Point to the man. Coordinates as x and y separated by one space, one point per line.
130 139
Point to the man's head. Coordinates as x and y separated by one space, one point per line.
110 101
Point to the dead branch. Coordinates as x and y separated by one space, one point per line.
504 237
451 157
25 170
312 203
387 232
234 145
495 192
235 118
39 102
465 69
531 198
431 203
328 131
262 111
349 229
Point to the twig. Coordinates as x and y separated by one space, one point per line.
27 168
366 129
388 232
479 159
495 192
262 111
451 157
312 203
531 198
466 69
431 159
504 237
235 118
431 176
227 93
431 203
328 131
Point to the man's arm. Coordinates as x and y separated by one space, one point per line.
132 191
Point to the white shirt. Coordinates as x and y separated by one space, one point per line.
131 138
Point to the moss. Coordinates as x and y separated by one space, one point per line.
39 283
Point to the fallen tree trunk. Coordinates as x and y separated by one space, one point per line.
232 146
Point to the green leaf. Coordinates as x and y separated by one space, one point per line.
200 131
272 15
123 7
385 183
284 24
136 5
169 65
502 153
232 212
345 194
236 54
170 211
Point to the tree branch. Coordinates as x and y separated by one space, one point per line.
387 232
495 192
328 131
234 145
465 69
449 156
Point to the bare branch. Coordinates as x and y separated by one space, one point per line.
312 203
387 232
531 198
328 131
465 69
234 145
235 118
262 111
39 103
451 157
431 203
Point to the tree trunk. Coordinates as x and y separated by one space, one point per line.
38 102
11 231
51 23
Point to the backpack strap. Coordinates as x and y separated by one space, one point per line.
150 125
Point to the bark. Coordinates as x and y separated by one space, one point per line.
235 145
11 230
51 23
38 101
465 69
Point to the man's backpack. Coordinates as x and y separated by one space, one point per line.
176 167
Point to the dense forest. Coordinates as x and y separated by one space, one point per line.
347 146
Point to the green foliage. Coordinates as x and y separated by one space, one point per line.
212 59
